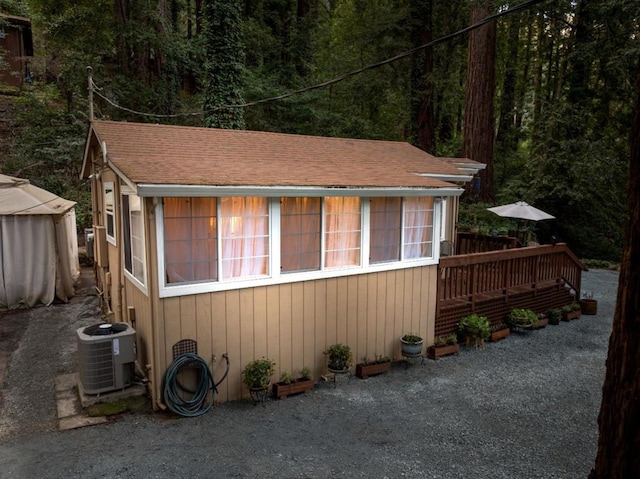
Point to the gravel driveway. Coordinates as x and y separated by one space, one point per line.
525 407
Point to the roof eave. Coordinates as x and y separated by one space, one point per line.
162 190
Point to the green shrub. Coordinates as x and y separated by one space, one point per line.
522 317
475 326
257 373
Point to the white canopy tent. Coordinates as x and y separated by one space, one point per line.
38 245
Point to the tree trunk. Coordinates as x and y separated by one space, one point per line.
422 93
478 119
619 420
507 135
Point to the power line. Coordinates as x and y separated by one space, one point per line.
333 81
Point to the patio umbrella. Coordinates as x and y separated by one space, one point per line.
521 210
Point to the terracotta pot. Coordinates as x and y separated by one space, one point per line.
363 371
281 390
589 306
435 352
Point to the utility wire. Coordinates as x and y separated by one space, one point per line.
333 81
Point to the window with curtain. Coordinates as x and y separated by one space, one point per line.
385 224
244 234
109 212
133 236
300 229
418 227
342 231
190 239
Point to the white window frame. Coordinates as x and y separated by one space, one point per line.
276 276
109 186
128 242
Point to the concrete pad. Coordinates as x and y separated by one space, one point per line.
134 390
65 382
75 422
68 407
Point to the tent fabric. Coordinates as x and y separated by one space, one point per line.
38 251
19 197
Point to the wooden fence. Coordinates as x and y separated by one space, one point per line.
494 282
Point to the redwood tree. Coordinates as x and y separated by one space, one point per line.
422 92
619 421
478 115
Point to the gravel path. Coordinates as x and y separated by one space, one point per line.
525 407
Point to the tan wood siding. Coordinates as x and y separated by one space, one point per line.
292 324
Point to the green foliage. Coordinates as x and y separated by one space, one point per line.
475 326
48 148
224 64
286 377
554 315
575 306
305 373
339 356
446 340
412 338
523 318
257 373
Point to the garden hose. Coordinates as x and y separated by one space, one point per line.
173 392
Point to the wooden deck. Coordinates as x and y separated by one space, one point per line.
493 283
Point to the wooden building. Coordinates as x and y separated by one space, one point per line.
16 45
265 244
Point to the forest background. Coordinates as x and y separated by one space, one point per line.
544 95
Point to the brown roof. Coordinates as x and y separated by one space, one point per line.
178 155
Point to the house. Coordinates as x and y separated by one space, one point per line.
16 44
266 244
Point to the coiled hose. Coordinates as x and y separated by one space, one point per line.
173 392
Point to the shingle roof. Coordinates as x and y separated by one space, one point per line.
178 155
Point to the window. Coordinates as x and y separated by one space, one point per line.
190 239
133 237
342 228
418 228
244 232
109 213
214 244
385 227
300 229
193 236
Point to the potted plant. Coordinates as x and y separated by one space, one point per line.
289 384
588 305
554 316
499 331
571 311
256 376
475 327
522 318
443 346
411 344
339 358
381 364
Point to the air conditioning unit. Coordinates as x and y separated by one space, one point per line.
106 357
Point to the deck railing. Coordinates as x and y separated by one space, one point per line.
467 243
473 276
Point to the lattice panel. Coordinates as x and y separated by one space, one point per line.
497 308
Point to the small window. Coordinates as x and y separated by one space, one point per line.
418 228
190 239
109 212
244 237
342 228
385 228
300 232
133 237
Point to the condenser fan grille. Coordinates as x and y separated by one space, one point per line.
105 329
99 358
